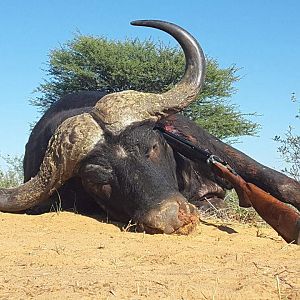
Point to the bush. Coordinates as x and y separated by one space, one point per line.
289 146
95 63
13 175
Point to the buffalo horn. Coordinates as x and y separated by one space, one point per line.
71 142
121 109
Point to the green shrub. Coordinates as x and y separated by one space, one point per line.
12 175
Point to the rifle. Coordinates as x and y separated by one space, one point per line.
284 219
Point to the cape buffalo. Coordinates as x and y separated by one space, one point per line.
92 147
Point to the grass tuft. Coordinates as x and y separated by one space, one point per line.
233 212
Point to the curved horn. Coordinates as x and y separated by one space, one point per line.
118 110
71 142
194 57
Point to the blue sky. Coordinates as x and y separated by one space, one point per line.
260 37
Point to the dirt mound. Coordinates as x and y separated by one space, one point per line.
69 256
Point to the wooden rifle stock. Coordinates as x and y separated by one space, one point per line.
284 219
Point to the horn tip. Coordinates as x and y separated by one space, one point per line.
136 22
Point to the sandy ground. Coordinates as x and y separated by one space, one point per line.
69 256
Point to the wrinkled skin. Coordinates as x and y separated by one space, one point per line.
132 176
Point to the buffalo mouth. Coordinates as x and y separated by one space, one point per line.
172 216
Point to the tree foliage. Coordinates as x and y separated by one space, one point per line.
289 147
13 175
93 63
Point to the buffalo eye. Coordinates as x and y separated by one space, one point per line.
155 147
153 152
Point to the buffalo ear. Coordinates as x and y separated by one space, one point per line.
98 174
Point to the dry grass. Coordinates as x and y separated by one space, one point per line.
233 212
